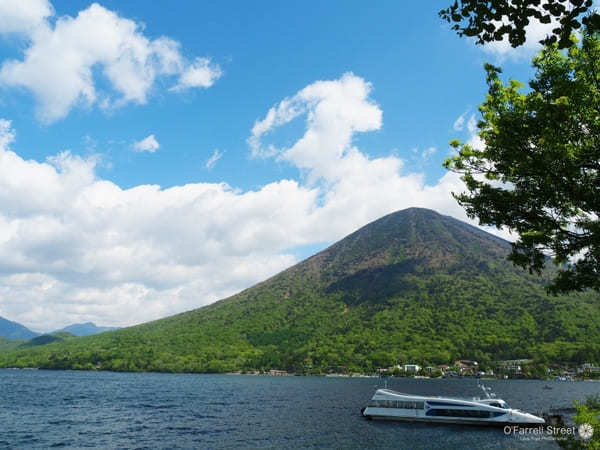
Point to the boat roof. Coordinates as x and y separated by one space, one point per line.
413 397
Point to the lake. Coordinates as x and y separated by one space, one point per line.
73 409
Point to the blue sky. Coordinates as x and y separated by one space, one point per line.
143 175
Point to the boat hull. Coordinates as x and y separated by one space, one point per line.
451 421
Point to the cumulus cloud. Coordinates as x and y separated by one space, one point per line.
63 60
335 111
148 144
201 73
212 161
75 247
351 185
353 188
18 16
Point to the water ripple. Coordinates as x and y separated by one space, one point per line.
72 409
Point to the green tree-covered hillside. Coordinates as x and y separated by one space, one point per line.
412 286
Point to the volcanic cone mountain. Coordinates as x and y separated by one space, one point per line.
413 286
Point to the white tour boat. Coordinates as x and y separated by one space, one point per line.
391 405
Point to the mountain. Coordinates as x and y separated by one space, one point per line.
86 329
45 339
413 286
14 330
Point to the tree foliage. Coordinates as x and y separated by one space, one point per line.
587 413
538 170
492 20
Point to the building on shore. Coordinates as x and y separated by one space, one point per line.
412 368
589 368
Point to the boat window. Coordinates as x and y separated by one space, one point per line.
458 413
396 404
436 403
496 404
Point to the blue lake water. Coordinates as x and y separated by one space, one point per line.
72 409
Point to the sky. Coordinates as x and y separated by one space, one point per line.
156 157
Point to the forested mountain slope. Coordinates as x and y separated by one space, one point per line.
413 286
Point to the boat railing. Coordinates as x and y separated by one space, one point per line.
486 390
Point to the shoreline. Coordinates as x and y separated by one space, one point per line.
329 375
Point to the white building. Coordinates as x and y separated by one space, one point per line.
589 367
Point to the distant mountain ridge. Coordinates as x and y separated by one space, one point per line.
413 286
14 330
86 329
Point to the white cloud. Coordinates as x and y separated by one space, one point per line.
199 74
472 124
148 144
335 111
353 188
474 140
7 134
534 32
212 161
75 247
19 16
459 123
425 154
63 60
